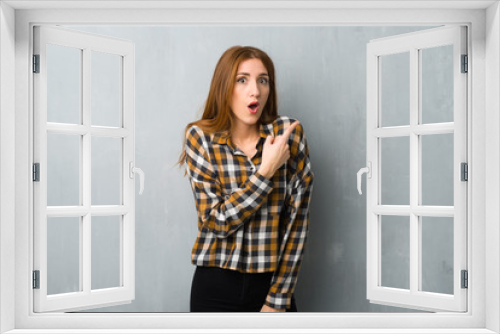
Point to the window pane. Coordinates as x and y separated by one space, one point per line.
63 84
395 251
106 249
437 254
106 89
437 169
395 89
63 255
437 84
395 170
106 170
63 169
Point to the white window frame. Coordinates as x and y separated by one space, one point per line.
483 147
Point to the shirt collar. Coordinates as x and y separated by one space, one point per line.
223 138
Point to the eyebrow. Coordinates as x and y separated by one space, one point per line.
262 74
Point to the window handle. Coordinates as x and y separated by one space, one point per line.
367 170
139 171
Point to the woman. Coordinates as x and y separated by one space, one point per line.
252 181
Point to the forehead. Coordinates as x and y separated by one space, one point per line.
252 65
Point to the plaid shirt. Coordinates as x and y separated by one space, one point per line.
247 222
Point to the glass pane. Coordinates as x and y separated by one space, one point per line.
63 169
395 250
106 89
63 255
437 84
437 169
395 170
395 89
63 84
106 170
437 254
106 247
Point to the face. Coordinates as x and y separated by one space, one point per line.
250 92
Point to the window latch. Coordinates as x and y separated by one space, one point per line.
132 171
367 170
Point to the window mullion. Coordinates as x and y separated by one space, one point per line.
414 171
87 177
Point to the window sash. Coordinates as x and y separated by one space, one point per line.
413 297
86 297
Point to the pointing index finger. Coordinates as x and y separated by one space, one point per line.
288 131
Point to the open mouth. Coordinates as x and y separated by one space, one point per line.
252 107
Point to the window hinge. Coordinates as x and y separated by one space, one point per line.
36 63
465 172
465 279
36 279
465 64
36 172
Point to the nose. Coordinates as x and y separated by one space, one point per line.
254 89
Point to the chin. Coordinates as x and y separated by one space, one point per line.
252 121
249 119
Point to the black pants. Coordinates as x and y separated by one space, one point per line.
222 290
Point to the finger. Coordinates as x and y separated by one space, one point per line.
269 139
288 131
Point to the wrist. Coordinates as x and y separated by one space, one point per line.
266 171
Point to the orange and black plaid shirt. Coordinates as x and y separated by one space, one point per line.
246 221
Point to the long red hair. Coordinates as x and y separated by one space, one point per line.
217 115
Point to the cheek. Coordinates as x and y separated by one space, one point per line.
266 95
236 100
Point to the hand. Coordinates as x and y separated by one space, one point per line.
266 308
276 152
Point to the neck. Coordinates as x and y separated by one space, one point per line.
243 133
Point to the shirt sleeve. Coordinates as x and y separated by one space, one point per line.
297 225
219 213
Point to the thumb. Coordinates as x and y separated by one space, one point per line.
269 140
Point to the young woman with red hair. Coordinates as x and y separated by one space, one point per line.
251 177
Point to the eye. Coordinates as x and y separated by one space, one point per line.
264 80
240 79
